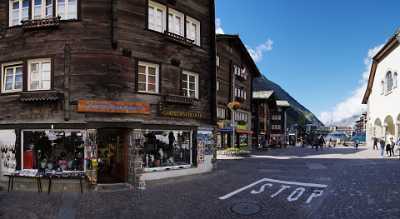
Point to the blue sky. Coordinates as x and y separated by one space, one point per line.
319 47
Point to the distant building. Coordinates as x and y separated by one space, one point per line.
382 94
361 124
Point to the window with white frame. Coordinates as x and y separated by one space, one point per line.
241 116
389 82
190 84
240 72
221 113
39 74
240 93
148 77
67 9
157 19
175 22
395 80
193 30
276 117
42 9
218 85
382 87
12 77
18 11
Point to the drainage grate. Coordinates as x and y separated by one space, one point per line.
246 208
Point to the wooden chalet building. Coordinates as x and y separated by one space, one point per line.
122 86
235 72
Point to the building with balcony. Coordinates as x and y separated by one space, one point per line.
235 72
120 90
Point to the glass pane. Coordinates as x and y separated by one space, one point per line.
159 20
9 82
15 5
46 66
72 9
152 71
142 69
25 3
192 78
152 79
46 85
192 94
18 81
46 75
152 88
185 92
61 8
142 87
142 78
49 8
192 86
34 85
184 84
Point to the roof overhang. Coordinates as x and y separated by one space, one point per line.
392 44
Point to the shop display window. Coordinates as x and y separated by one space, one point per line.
53 150
167 149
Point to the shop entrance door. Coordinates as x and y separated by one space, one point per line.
112 154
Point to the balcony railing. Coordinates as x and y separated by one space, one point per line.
41 23
179 39
41 96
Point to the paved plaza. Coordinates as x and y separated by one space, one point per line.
283 183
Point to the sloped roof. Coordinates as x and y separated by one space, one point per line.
392 44
242 48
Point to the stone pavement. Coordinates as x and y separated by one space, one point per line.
283 183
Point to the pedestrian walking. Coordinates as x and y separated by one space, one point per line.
382 144
356 144
375 143
330 142
392 145
321 142
388 148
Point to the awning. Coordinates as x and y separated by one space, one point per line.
242 131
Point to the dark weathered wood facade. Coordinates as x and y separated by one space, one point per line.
95 57
233 54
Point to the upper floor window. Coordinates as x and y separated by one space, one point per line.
18 11
190 84
382 87
240 93
12 77
175 22
395 80
193 30
241 116
39 74
41 9
67 9
221 113
157 17
389 82
148 77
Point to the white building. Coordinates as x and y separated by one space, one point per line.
383 94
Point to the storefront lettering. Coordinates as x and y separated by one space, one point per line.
95 106
192 115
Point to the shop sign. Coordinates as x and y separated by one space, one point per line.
98 106
180 114
244 127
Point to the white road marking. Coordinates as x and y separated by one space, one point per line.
316 193
296 194
312 185
262 189
240 190
283 187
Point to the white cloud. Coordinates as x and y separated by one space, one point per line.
258 53
218 26
352 105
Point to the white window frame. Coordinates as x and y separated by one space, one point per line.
157 82
20 14
67 4
43 9
175 14
13 65
40 61
192 21
186 90
221 113
157 6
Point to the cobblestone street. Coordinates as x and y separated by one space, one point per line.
283 183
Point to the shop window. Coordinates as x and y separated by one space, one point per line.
175 22
148 77
67 9
190 84
53 150
193 30
39 74
18 11
12 77
157 17
163 149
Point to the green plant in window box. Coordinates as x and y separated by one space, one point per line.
241 122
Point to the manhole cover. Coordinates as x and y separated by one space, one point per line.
245 208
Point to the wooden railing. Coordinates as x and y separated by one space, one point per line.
41 23
179 39
178 99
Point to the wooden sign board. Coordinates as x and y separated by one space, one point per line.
104 106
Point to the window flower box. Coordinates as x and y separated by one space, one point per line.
41 23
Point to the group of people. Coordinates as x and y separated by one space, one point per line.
387 146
